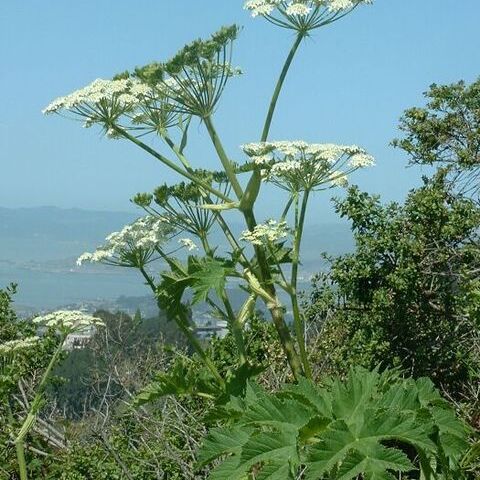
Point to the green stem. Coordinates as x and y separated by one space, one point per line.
222 155
30 419
178 153
253 193
172 165
276 311
264 273
297 316
19 448
286 209
235 325
278 87
183 324
22 464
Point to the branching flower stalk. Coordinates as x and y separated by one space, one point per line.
278 87
161 99
188 215
298 319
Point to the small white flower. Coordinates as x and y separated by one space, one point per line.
68 320
125 92
261 7
299 9
361 160
270 231
299 166
21 344
188 244
313 13
338 179
142 237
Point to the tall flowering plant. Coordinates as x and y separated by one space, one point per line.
161 100
21 358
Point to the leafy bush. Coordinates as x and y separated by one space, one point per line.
374 425
405 296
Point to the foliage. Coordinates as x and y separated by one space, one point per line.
188 376
371 424
129 344
447 132
139 445
19 374
404 296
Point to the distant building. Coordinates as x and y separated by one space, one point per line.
214 328
80 339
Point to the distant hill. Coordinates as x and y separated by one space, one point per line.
39 246
51 233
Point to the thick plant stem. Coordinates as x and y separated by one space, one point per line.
222 155
271 110
31 417
278 87
236 327
297 316
185 328
264 273
276 311
22 464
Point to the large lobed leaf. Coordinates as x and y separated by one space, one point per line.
369 424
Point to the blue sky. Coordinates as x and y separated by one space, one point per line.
349 84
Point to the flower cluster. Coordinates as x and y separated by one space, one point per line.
263 233
134 245
68 320
299 166
123 93
13 346
302 15
188 243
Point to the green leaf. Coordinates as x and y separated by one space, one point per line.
222 441
275 470
378 462
181 379
277 413
309 394
207 274
266 447
230 469
342 431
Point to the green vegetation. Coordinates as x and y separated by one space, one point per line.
342 391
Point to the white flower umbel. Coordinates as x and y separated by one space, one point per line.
14 346
134 246
299 166
124 92
189 244
68 321
302 15
268 232
104 102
